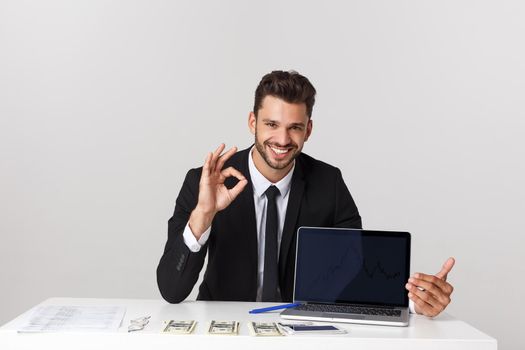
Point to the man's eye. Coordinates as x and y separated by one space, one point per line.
271 125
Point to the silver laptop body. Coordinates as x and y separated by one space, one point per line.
352 276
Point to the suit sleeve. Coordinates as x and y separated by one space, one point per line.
179 268
346 213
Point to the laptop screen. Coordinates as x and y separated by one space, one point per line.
352 266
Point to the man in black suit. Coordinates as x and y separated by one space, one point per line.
243 209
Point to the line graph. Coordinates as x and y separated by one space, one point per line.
378 268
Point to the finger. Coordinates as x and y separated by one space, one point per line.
231 171
421 277
440 283
224 158
206 166
438 301
426 297
442 295
215 156
422 307
445 269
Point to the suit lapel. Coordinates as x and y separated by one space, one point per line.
248 210
292 214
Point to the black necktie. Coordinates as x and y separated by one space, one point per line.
271 274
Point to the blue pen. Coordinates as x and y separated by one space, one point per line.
271 308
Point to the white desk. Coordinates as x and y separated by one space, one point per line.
444 332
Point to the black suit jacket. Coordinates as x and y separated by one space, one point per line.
318 197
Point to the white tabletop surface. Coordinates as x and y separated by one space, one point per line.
443 332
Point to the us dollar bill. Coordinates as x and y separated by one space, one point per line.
179 327
224 327
264 329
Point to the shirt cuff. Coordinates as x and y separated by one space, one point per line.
411 305
191 242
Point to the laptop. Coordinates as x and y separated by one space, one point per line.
350 275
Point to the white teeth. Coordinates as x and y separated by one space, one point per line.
279 151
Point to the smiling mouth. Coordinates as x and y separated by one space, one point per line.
280 153
280 150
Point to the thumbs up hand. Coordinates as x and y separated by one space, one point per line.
431 293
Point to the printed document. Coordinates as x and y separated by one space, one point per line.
56 318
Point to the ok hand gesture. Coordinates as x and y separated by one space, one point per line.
214 196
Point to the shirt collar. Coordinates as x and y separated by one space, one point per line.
260 183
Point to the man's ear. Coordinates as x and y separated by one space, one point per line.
309 127
252 122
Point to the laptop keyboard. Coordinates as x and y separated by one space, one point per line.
350 309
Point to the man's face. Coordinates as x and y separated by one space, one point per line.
280 130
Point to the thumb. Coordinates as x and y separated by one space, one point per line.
445 269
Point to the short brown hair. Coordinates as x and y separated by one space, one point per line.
289 86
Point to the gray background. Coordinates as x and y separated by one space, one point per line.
105 105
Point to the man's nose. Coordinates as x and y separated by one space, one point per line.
282 137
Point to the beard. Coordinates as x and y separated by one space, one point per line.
294 151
